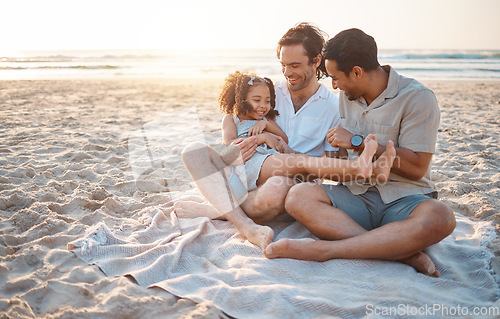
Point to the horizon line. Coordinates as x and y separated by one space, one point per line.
220 49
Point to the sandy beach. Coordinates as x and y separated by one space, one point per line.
70 158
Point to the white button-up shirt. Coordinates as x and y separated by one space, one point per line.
307 129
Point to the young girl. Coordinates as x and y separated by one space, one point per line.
248 102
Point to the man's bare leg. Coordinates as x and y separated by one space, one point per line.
210 173
429 223
399 241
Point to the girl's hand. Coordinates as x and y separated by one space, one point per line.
258 128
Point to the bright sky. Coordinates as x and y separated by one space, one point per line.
148 24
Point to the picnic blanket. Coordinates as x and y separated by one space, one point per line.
206 260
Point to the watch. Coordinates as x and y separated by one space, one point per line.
357 140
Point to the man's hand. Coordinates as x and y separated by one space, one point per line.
273 141
239 151
247 146
339 137
285 147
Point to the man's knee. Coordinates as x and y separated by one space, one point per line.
445 217
300 195
438 220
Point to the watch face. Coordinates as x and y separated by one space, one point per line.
356 140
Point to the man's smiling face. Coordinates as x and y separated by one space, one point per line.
341 81
296 68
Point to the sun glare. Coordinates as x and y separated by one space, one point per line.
149 24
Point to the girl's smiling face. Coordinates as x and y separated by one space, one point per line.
259 98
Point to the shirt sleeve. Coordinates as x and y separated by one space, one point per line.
420 123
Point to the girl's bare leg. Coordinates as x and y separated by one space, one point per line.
210 174
325 167
191 207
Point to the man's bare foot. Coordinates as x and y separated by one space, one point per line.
303 249
191 209
318 250
364 162
382 166
422 263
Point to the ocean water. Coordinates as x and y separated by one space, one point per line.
418 64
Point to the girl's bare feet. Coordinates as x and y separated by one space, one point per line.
258 235
382 166
191 209
363 165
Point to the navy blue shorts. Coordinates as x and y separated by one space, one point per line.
368 209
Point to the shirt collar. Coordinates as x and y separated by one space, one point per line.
392 84
390 91
283 88
320 93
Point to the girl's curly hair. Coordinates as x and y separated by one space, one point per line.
232 99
